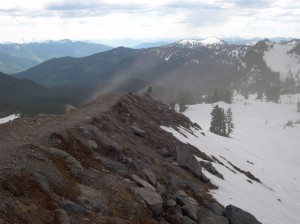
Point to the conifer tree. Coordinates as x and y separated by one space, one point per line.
229 122
221 123
218 121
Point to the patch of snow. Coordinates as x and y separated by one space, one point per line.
167 58
260 145
205 42
211 41
9 118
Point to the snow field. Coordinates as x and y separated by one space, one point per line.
260 144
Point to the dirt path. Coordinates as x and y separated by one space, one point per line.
30 130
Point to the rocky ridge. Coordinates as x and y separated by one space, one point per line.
107 162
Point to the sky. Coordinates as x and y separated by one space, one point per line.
146 20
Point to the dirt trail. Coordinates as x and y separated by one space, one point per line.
30 130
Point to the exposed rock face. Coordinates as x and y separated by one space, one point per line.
91 166
236 215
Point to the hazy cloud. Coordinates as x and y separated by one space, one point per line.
145 19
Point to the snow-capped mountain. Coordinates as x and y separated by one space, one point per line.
269 64
284 58
193 43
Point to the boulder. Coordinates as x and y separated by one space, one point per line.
160 188
72 208
41 180
73 164
61 217
92 144
183 199
142 182
92 199
209 217
192 211
171 202
216 208
187 220
208 220
236 215
152 199
137 131
150 176
187 160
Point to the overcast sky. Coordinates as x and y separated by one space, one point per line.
146 20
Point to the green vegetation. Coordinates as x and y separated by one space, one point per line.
221 122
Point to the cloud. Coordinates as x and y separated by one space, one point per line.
146 19
79 8
249 3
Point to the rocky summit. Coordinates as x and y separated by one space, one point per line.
106 162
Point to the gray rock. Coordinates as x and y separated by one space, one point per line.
181 193
236 215
171 202
216 208
152 199
192 211
92 199
72 208
187 220
41 180
61 217
183 199
137 165
73 164
208 220
150 176
137 131
92 144
177 218
187 160
161 188
211 217
210 168
142 182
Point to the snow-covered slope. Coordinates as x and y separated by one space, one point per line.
261 144
9 118
279 59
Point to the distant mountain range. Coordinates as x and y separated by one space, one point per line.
17 57
185 69
199 65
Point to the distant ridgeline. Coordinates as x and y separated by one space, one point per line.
182 72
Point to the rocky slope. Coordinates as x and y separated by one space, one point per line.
107 162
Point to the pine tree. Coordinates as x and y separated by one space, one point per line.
229 122
218 121
221 123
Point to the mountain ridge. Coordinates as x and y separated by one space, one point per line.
102 163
